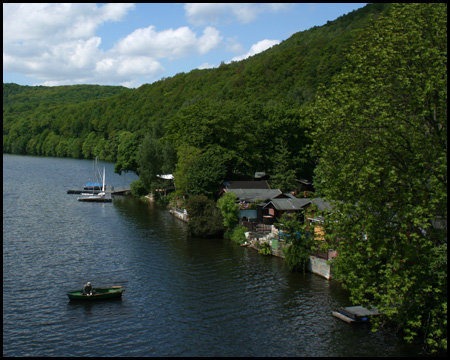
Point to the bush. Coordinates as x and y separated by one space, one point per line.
265 249
138 189
238 234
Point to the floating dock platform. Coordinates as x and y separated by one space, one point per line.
94 199
83 191
355 314
108 190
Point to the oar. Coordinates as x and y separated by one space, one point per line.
116 287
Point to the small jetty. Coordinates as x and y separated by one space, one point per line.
108 190
83 191
355 314
95 198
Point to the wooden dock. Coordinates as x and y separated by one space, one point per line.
108 190
93 199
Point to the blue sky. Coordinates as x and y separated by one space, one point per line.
132 44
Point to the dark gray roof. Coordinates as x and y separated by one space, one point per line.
250 195
257 184
289 204
321 204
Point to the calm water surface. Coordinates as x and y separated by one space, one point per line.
184 296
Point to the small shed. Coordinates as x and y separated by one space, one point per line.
276 207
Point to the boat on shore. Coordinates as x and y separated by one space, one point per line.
98 294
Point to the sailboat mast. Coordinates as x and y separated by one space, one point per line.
103 183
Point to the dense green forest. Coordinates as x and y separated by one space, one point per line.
258 100
359 105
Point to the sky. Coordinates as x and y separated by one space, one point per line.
134 44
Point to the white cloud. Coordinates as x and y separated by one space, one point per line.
225 13
126 66
115 11
206 66
257 48
171 44
56 43
56 21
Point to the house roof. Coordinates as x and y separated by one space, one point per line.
259 184
289 204
166 176
321 204
251 195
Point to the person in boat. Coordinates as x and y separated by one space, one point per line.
87 289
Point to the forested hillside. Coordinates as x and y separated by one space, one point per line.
255 96
359 105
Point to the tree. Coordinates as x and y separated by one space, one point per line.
126 152
206 173
154 158
285 145
89 145
230 213
229 209
205 219
381 134
186 155
298 252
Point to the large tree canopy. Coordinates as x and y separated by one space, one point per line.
381 134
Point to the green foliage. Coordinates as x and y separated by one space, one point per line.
128 143
205 219
265 249
138 189
383 155
37 120
229 209
298 252
186 155
205 173
154 157
238 234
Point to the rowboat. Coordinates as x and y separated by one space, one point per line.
98 294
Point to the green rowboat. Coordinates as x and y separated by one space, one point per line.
98 294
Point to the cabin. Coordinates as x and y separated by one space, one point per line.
255 195
278 206
167 184
251 202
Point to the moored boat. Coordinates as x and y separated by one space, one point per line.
100 197
98 294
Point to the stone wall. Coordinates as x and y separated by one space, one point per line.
319 266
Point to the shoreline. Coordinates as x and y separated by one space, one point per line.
316 265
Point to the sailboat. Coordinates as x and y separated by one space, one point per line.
100 197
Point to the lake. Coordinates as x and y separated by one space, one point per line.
183 296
